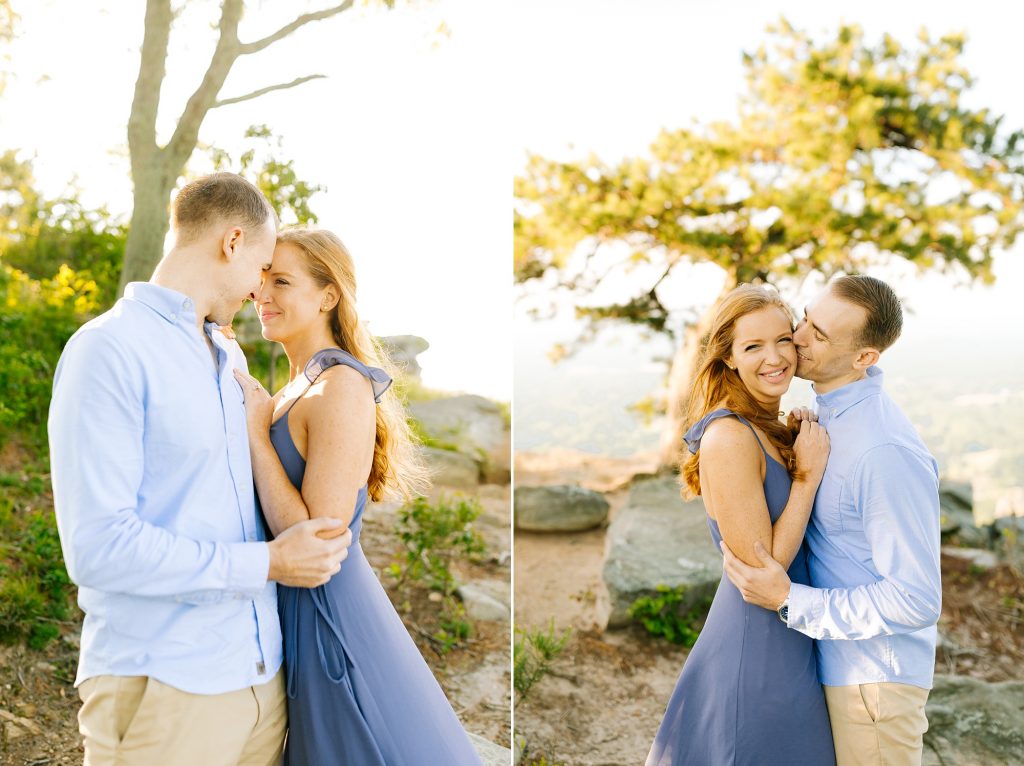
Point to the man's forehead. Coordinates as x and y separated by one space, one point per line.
833 314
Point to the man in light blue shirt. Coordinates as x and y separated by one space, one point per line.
872 540
153 490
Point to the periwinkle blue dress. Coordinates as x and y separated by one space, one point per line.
748 694
359 692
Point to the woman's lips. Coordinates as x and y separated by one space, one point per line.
268 316
775 376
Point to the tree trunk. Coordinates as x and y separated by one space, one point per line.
156 169
145 245
680 379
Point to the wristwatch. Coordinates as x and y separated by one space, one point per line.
783 611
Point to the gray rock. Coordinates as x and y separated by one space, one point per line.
490 753
973 723
980 558
562 508
957 495
486 600
956 515
472 424
403 350
451 469
1008 539
658 539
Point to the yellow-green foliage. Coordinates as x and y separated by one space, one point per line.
37 316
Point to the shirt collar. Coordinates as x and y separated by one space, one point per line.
835 403
170 304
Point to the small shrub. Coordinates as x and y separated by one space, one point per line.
433 536
660 615
532 655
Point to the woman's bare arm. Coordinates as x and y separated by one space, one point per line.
340 421
731 483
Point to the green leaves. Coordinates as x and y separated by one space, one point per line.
662 616
262 163
433 536
844 152
533 653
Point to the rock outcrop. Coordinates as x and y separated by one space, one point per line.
658 539
973 723
472 426
561 508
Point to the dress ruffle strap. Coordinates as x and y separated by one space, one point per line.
329 357
696 432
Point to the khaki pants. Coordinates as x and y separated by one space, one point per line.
877 724
138 721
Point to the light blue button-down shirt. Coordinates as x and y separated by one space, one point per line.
873 545
152 486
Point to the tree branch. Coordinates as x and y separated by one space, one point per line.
152 69
306 18
268 89
186 132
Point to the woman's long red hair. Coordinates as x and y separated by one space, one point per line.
715 383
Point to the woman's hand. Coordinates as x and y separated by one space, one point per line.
811 448
259 405
798 415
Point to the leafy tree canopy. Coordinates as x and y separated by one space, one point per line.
844 154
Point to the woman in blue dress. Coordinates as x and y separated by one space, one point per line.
359 692
748 694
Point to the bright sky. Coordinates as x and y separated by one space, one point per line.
608 80
406 134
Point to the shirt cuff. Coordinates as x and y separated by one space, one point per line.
806 608
248 569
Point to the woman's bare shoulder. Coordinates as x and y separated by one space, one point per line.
728 439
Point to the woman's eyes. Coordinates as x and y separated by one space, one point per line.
755 346
280 282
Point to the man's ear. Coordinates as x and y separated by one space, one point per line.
232 239
868 357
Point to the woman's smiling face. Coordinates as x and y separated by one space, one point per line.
763 354
289 301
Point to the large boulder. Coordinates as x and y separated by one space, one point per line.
562 508
658 539
451 469
956 515
403 350
471 425
974 723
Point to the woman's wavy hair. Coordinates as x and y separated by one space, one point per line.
397 470
714 382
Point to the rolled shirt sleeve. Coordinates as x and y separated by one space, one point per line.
96 426
896 491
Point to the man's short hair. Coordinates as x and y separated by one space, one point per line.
218 197
885 312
